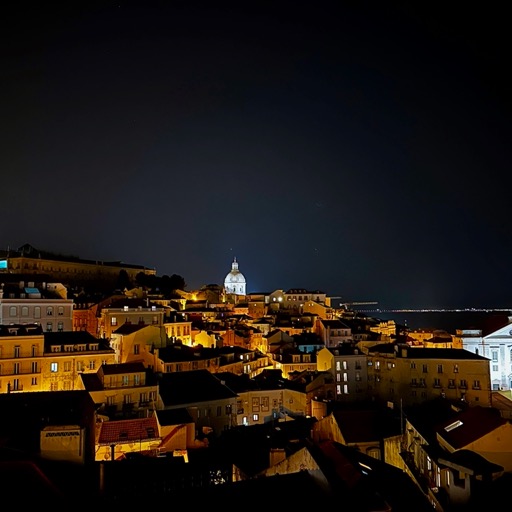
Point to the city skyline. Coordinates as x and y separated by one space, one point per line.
359 149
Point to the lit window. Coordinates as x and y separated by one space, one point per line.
54 367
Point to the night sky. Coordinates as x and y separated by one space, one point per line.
357 148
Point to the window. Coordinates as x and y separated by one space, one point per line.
24 311
451 383
110 400
338 366
345 365
49 311
34 350
255 417
125 380
60 311
495 367
113 321
437 383
413 365
136 379
67 366
17 351
136 349
494 356
455 368
49 327
92 365
345 389
345 377
425 368
34 381
16 368
463 383
127 399
476 384
34 366
60 326
439 368
13 311
79 366
54 367
37 312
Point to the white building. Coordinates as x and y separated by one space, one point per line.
497 347
235 281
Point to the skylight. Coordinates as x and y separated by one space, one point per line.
453 425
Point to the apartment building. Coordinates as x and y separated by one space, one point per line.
67 355
34 360
29 302
400 374
21 358
349 367
123 390
132 310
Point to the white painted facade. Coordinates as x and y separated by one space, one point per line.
497 347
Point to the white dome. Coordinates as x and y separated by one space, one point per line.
235 280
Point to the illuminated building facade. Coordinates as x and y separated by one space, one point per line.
234 283
28 260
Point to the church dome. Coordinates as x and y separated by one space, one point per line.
235 280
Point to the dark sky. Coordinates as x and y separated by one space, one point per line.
358 148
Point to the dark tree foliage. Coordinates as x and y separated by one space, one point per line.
123 281
163 284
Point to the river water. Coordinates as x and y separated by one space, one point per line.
450 321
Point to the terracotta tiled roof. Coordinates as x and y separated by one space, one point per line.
125 431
